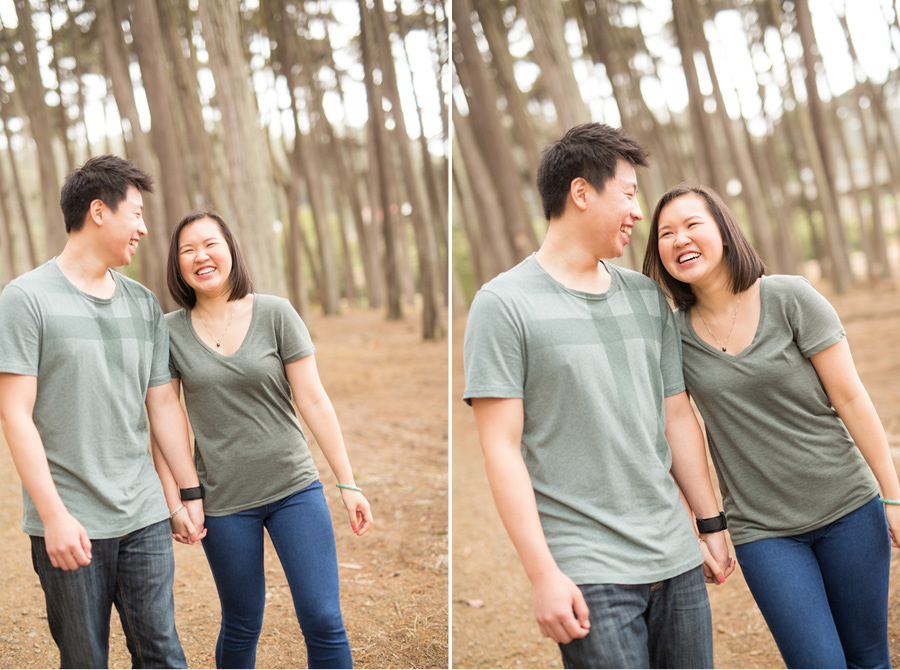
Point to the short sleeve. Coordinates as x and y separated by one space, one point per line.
814 321
670 352
20 333
294 341
493 351
159 367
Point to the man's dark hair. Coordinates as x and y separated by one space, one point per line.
744 264
590 151
105 178
240 281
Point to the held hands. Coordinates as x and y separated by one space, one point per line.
717 564
187 521
358 508
560 608
67 543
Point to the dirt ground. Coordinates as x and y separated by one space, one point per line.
500 631
390 392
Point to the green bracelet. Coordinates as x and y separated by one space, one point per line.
889 502
356 488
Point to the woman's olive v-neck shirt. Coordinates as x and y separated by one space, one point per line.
249 448
785 461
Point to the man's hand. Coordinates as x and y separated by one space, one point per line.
67 542
559 608
717 564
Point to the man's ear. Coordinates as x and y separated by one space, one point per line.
95 211
578 192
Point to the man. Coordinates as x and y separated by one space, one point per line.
573 369
83 350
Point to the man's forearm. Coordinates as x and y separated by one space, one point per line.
690 467
169 427
30 459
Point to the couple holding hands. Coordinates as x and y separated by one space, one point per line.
83 351
580 376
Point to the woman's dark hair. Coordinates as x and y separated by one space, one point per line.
184 295
744 264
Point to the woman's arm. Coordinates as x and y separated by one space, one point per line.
316 409
849 398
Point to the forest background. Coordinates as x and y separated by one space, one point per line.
788 108
319 129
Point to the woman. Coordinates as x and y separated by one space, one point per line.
793 434
239 357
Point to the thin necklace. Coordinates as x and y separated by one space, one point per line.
722 345
219 338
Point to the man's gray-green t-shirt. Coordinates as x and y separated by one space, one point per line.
593 371
94 359
249 448
786 463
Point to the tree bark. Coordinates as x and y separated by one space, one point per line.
249 170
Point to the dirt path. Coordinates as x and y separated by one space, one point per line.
502 633
390 392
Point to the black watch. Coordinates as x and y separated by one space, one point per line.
193 493
712 525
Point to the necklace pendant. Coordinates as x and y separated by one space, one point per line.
219 344
723 348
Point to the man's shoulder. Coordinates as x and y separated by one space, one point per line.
631 279
517 281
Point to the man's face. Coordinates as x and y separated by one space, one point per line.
613 212
124 228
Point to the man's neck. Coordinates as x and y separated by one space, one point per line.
81 265
570 263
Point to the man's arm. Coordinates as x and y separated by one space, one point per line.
691 473
169 431
559 606
68 546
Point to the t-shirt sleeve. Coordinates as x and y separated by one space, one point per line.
814 321
294 341
493 351
159 366
20 333
670 352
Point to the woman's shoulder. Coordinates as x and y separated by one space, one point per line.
265 302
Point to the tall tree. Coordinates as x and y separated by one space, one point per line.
250 176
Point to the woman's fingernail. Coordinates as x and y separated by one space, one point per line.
354 528
721 580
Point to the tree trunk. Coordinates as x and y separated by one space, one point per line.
835 237
24 217
380 165
493 141
250 172
546 23
31 90
433 325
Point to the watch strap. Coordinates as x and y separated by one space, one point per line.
712 525
193 493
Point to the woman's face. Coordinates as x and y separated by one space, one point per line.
204 257
690 243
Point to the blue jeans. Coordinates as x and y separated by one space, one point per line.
135 573
824 594
665 624
300 528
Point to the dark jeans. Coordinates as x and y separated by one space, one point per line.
824 594
135 573
665 624
300 528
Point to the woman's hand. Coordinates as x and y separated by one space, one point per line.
183 529
892 512
712 571
358 508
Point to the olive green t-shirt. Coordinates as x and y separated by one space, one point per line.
593 371
786 463
249 448
94 359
